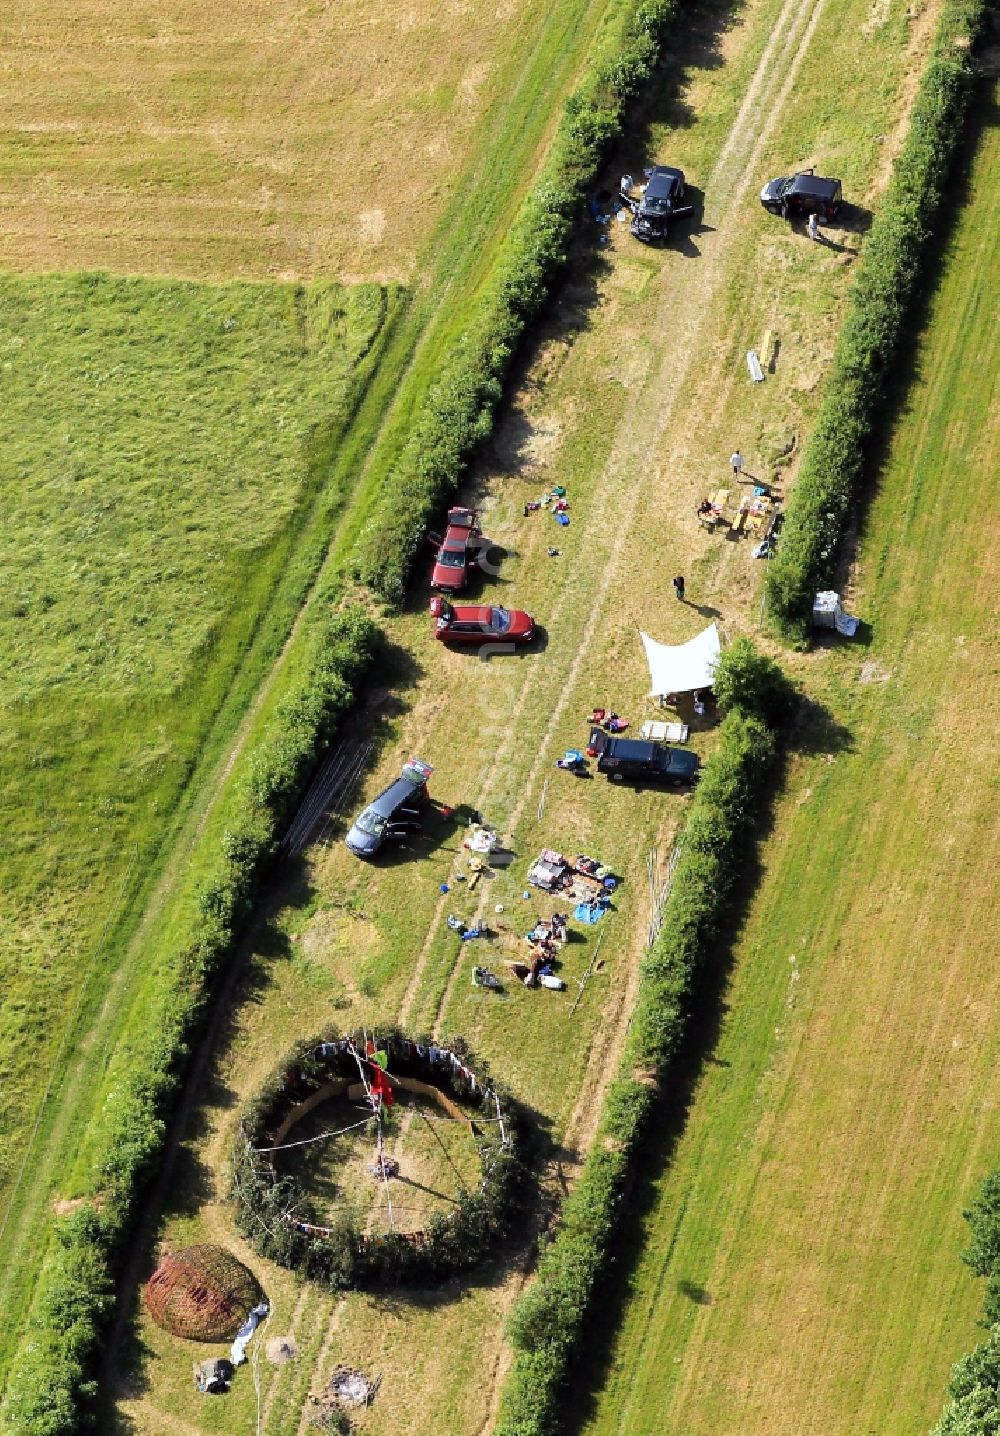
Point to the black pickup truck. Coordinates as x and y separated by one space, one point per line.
640 760
659 203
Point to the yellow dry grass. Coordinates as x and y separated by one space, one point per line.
283 139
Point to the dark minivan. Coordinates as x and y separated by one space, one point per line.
393 813
802 194
636 759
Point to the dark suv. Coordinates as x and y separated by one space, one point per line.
622 758
658 205
395 812
802 194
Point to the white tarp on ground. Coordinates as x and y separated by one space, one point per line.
238 1353
685 667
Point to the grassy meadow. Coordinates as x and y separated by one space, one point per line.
164 448
637 432
796 1264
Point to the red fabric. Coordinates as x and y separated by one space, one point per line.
381 1086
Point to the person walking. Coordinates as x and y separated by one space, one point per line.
736 459
679 587
813 226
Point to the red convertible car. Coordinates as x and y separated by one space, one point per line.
477 624
458 552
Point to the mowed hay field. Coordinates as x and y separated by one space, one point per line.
632 402
162 448
799 1267
257 139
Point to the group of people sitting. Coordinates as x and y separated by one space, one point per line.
709 513
543 943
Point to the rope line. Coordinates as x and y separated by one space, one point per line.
307 1141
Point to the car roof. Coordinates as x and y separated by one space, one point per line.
390 799
814 184
662 180
633 750
472 612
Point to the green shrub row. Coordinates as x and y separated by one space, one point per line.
458 412
974 1390
547 1321
52 1381
833 466
347 1256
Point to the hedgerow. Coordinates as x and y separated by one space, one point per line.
52 1379
274 1211
974 1407
833 466
546 1324
458 412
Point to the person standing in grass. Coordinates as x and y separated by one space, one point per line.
679 587
736 459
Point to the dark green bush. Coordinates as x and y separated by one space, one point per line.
833 466
51 1381
458 412
983 1254
974 1408
547 1321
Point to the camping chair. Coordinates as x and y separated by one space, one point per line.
482 977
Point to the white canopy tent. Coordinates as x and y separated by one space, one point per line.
684 667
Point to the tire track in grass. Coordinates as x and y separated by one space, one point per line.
294 1319
322 1355
689 314
731 177
602 1062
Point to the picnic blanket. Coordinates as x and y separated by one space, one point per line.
589 912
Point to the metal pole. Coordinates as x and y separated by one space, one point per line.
586 976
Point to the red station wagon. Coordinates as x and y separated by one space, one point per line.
476 624
458 552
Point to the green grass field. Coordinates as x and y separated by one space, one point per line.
636 431
798 1252
160 448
